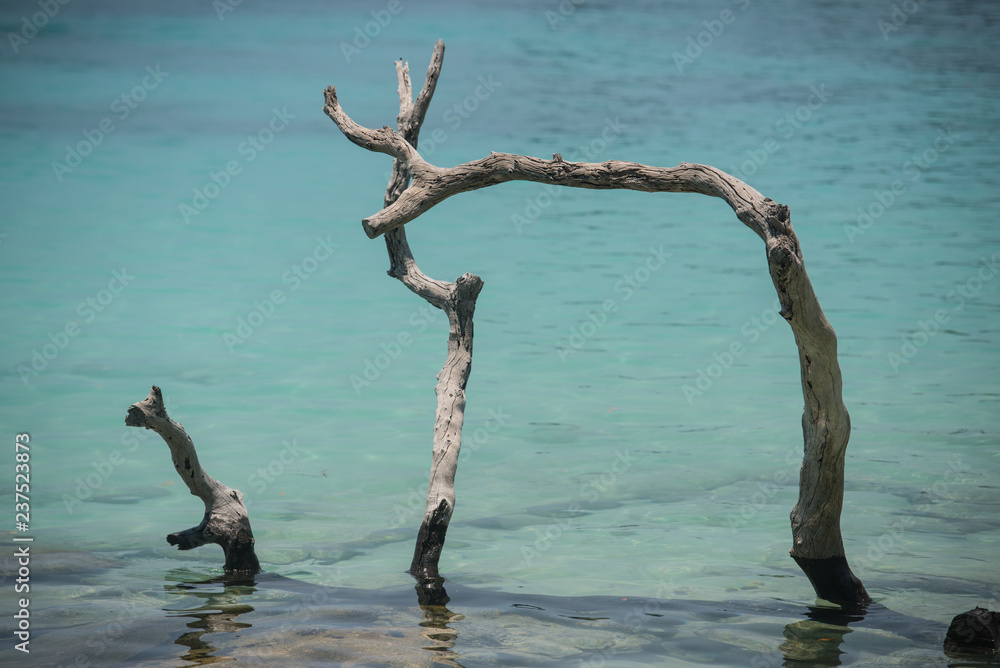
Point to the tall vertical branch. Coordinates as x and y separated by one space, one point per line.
458 301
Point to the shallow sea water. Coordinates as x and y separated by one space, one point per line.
622 499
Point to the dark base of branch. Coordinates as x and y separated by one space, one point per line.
833 581
974 632
240 556
430 541
432 593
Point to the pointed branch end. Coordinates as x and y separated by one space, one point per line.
152 406
155 399
330 104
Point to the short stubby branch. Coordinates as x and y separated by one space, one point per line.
226 522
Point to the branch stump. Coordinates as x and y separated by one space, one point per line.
225 522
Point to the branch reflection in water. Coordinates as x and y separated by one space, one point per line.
218 608
271 620
433 601
307 624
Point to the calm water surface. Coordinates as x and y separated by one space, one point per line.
179 211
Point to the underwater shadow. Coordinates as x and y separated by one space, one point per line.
318 624
818 639
300 623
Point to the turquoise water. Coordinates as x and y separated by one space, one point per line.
606 514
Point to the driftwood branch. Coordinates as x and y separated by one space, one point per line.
432 185
225 522
458 300
817 543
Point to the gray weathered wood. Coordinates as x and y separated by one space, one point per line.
817 544
458 300
226 522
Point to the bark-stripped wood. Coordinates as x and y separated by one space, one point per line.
226 522
458 300
817 543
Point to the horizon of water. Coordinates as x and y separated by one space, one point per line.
625 481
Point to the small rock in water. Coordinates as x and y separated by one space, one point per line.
976 631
